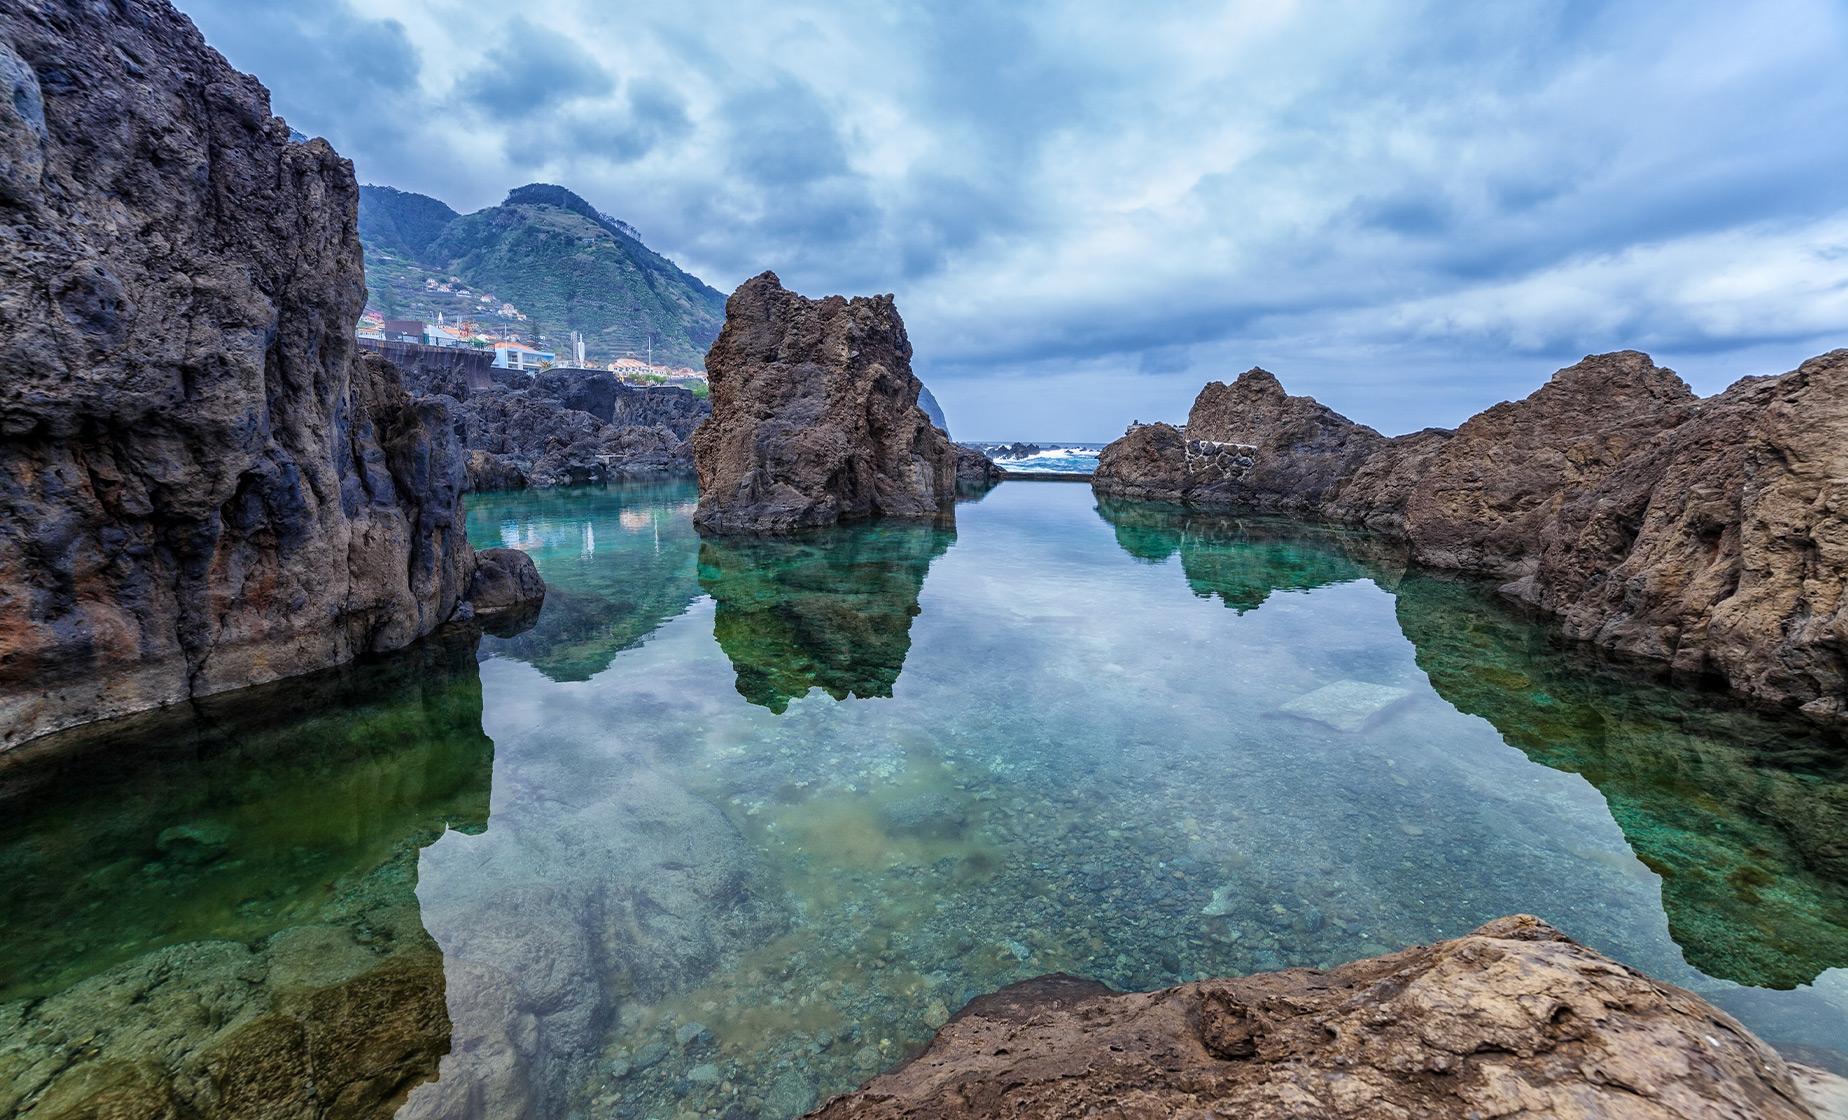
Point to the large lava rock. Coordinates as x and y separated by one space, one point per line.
1709 535
815 417
203 483
1248 443
1514 1018
569 427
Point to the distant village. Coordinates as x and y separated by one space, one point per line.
510 350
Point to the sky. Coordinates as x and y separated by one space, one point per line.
1088 210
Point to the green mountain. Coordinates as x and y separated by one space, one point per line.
400 221
550 255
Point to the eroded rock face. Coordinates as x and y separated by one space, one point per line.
563 427
1721 546
1514 1018
1487 500
1708 535
203 485
815 417
525 438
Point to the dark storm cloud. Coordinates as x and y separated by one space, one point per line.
781 135
330 69
528 69
1114 203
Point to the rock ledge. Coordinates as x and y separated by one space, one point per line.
1513 1019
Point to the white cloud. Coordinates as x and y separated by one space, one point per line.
1438 196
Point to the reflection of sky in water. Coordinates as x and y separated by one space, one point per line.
686 878
1081 766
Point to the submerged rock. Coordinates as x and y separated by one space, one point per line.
204 484
930 816
1345 705
815 417
1514 1017
1709 535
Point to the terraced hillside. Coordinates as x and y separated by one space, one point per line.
549 255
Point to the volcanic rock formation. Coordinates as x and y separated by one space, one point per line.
1710 535
815 417
1513 1018
562 427
203 484
975 471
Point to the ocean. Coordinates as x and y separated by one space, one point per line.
1061 456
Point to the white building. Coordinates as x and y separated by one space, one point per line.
517 355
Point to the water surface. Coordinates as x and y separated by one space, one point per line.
736 824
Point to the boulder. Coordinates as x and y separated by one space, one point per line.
974 470
1248 444
505 580
815 417
1710 536
1147 463
1268 450
204 484
1513 1018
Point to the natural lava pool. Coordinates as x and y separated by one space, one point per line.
735 825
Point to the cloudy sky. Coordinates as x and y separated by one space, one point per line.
1410 210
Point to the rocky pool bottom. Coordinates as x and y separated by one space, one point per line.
736 825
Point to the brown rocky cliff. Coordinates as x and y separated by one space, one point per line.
1707 535
1721 545
1487 500
202 484
815 417
1511 1019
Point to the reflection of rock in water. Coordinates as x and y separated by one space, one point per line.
604 886
830 610
213 913
1241 560
1749 846
595 609
1752 848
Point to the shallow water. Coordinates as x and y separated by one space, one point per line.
736 824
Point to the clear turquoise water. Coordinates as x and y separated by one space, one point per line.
734 825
